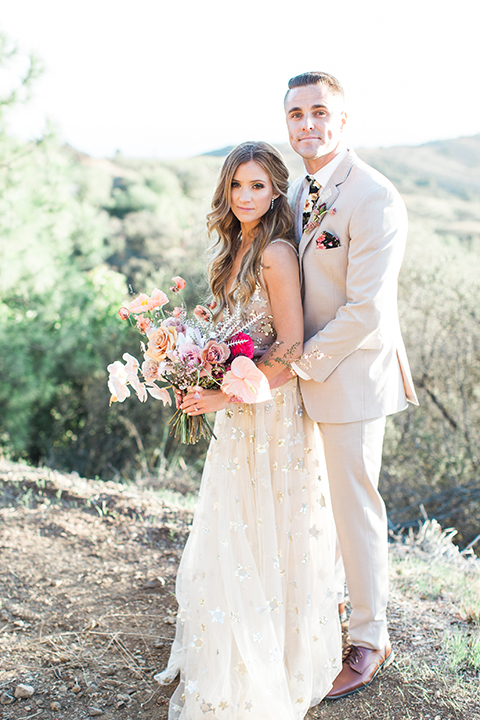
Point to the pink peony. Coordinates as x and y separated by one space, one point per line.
244 380
144 303
241 344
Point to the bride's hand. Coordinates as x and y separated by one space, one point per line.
178 397
199 402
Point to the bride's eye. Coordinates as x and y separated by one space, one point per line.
258 186
235 184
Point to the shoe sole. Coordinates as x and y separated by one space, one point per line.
383 666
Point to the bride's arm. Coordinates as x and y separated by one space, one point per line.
282 279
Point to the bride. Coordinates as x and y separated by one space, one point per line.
258 634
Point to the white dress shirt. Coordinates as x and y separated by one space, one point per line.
322 177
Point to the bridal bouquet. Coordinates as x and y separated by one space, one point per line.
187 354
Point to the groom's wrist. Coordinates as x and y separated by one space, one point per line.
300 372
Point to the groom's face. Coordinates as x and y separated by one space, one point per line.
315 120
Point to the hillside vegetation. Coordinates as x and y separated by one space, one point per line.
78 234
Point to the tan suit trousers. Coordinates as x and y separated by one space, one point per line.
353 455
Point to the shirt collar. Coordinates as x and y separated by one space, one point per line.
326 172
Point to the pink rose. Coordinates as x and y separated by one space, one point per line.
241 344
215 353
201 313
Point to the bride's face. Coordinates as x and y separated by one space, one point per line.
251 194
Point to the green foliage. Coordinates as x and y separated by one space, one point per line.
431 452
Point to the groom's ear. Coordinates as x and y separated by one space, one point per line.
344 119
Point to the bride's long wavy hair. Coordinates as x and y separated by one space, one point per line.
225 232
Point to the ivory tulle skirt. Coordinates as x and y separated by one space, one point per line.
258 634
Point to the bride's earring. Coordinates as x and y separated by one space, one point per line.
272 203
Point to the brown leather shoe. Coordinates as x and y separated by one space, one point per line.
360 666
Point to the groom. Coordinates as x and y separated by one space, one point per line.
351 225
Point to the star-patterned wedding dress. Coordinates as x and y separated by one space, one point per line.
258 635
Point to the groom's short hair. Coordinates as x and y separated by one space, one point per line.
316 78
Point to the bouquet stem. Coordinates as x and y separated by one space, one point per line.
190 429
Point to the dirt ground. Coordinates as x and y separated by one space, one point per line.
87 611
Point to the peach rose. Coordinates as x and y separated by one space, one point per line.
160 342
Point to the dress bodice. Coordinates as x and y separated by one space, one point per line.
262 331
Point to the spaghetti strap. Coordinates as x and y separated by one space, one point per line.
284 241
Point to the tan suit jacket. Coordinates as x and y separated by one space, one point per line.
350 299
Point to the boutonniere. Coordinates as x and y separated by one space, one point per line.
316 217
326 240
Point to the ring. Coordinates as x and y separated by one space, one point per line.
195 408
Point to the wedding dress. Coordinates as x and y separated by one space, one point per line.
258 635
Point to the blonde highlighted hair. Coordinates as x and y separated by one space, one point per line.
225 232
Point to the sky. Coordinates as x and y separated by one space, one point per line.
175 78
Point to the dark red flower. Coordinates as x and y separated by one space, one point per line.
241 344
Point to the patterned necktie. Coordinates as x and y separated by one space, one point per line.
311 199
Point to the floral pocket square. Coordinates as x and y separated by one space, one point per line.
326 240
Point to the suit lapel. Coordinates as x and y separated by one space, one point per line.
328 195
